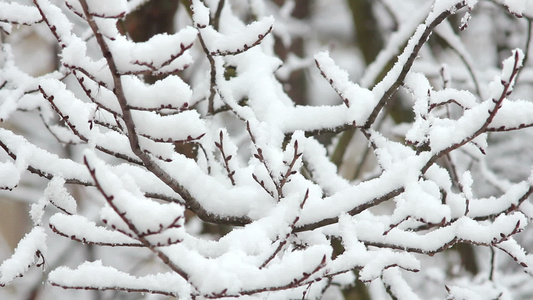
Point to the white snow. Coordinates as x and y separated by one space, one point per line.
170 92
18 14
9 175
516 6
79 228
401 205
94 275
106 8
200 14
24 255
224 44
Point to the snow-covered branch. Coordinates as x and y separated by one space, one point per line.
186 150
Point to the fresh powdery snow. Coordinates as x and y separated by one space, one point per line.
188 168
9 175
30 250
18 14
97 276
78 226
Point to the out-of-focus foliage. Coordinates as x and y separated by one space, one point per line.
266 149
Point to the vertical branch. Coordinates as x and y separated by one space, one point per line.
528 43
212 74
261 158
216 19
492 263
225 158
290 169
212 64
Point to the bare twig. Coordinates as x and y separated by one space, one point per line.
285 239
261 158
89 242
405 67
290 169
225 158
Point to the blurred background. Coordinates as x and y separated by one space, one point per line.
364 37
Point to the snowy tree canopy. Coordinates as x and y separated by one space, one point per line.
188 162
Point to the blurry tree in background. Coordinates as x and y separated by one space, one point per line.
266 149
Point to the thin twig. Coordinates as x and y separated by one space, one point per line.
225 158
507 86
409 62
131 226
147 161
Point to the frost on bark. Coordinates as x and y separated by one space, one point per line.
189 159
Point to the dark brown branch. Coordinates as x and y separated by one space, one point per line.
117 288
244 48
150 164
261 158
118 16
262 184
170 140
52 28
42 173
335 130
512 255
36 263
76 181
63 117
86 73
435 105
167 62
213 76
497 240
503 128
162 228
89 93
290 170
89 242
72 127
353 212
216 20
50 129
59 207
333 85
175 109
409 63
225 158
102 16
507 88
284 241
295 283
139 236
19 23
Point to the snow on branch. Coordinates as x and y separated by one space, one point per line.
14 13
29 252
338 79
80 229
95 276
185 159
117 9
394 78
237 42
